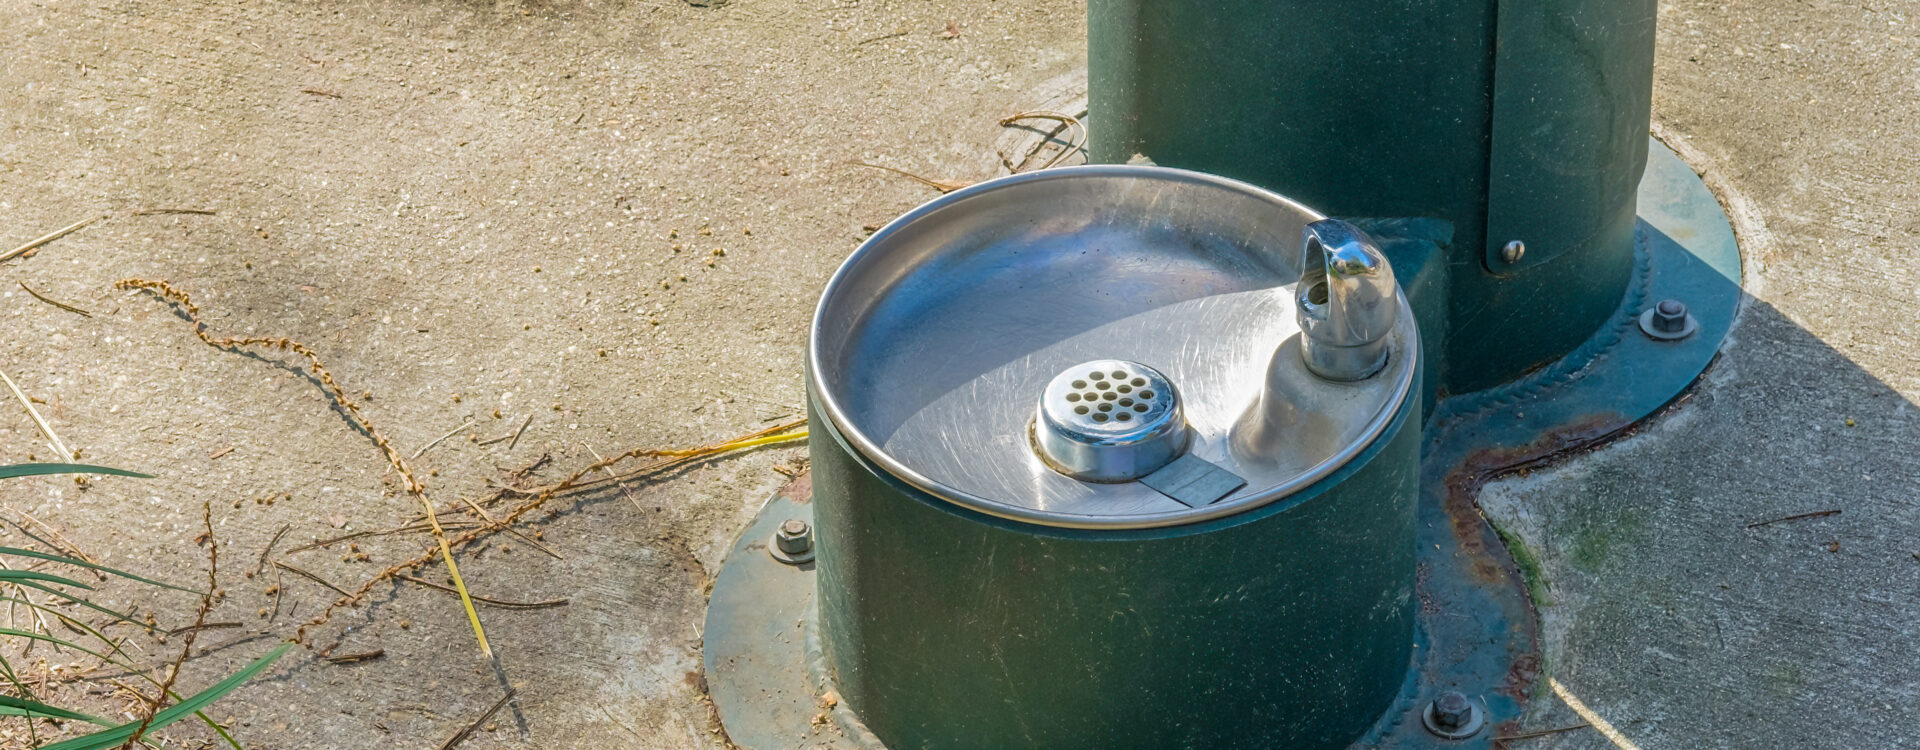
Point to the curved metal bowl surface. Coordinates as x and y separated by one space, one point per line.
935 337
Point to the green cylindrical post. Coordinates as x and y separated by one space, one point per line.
1289 626
1514 120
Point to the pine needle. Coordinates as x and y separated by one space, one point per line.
54 302
485 600
465 733
944 186
28 248
1067 122
738 445
53 441
453 571
436 441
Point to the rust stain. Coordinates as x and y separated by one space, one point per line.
799 490
1521 676
1464 481
1488 559
1506 728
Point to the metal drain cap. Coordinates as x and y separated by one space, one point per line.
1109 421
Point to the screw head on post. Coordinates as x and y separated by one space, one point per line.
1668 321
1452 716
1513 251
792 543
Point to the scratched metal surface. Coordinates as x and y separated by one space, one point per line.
937 338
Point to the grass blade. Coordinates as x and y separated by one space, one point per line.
91 566
55 641
28 470
5 710
23 576
119 735
11 706
15 576
119 617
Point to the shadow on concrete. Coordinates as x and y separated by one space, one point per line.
1739 569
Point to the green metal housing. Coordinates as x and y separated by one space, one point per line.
1510 119
1473 630
1462 127
1286 626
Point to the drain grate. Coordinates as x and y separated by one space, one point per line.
1109 421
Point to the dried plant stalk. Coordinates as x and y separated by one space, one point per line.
199 623
781 433
414 486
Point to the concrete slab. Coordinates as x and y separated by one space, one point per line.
464 207
1668 616
479 199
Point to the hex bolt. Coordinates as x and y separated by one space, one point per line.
1513 251
1668 321
1451 710
1670 315
1452 716
793 542
795 536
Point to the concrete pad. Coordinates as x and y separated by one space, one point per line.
1668 616
464 207
479 199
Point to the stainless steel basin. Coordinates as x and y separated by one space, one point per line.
934 341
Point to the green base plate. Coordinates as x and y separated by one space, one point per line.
1478 632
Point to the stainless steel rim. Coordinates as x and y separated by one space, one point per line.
870 451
